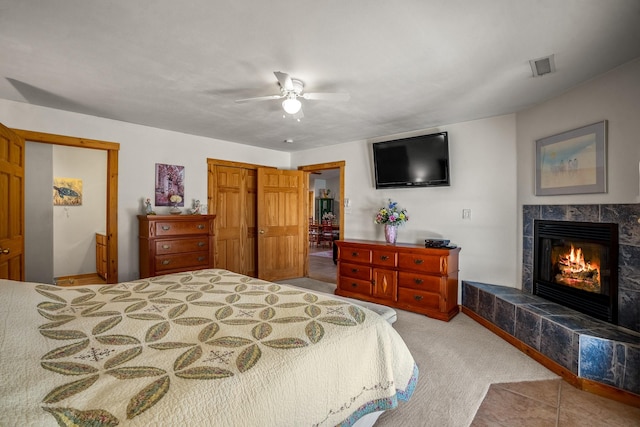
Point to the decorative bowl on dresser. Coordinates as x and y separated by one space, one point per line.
405 276
175 243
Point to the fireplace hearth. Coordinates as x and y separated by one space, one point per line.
576 264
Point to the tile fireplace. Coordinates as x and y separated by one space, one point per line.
592 352
627 217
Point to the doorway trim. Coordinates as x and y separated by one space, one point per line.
341 164
112 149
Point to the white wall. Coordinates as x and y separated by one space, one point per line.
614 97
38 213
75 227
141 148
483 179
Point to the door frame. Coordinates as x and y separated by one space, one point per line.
341 164
112 149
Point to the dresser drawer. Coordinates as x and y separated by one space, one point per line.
423 263
180 228
174 246
419 299
355 254
419 282
191 260
355 271
384 258
362 287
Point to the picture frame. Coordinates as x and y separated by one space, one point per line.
67 191
572 162
169 182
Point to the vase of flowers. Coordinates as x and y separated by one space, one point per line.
328 217
175 200
391 216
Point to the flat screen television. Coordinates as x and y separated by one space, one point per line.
419 161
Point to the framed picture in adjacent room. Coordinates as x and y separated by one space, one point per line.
67 192
573 162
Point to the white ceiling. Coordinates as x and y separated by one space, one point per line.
408 64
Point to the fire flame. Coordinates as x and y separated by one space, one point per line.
576 272
575 261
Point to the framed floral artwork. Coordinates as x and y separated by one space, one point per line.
169 182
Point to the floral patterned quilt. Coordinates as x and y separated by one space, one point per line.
208 347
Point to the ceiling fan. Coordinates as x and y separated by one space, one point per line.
292 89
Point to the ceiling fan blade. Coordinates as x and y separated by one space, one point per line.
260 98
343 96
284 79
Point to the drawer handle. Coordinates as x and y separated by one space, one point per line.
201 258
384 257
354 285
418 261
166 262
418 281
201 244
354 254
200 226
166 246
417 297
166 227
354 270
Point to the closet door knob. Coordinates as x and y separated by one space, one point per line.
4 251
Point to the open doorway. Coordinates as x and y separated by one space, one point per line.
326 218
110 230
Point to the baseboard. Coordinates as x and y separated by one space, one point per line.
600 389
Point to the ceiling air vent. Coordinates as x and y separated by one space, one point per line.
542 66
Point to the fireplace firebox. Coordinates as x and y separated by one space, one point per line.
576 265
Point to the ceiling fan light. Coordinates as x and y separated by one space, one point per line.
291 105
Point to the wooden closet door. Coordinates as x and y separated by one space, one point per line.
12 208
282 223
234 195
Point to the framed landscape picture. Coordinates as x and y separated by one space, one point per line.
573 162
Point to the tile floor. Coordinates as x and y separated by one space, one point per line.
550 403
536 403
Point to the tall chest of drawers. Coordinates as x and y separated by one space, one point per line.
175 243
410 277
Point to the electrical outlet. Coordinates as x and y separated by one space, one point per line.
466 213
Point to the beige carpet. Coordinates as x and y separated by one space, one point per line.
458 360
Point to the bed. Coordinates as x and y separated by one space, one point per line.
208 347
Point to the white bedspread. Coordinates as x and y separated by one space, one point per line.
209 347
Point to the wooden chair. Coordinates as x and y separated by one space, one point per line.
314 234
326 235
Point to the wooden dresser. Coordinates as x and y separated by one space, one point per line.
101 255
410 277
174 243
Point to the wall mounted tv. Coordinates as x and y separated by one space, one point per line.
419 161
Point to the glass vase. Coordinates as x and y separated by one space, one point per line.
390 233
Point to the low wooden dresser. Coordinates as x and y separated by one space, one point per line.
410 277
101 255
174 243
